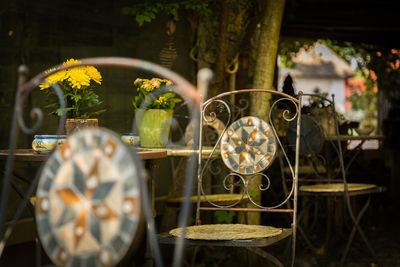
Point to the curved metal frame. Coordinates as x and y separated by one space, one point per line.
182 87
209 116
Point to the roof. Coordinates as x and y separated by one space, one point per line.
320 61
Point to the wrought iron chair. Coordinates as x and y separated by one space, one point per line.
91 195
323 172
247 147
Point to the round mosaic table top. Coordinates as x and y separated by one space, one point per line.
88 200
248 146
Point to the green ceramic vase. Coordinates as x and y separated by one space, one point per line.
153 126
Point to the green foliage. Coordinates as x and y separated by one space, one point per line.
224 216
79 102
147 11
288 49
146 87
346 50
363 100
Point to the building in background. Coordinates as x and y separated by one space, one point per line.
320 68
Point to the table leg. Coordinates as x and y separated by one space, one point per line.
151 166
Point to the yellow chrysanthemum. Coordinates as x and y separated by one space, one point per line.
44 86
78 77
150 84
94 74
156 83
162 100
71 61
75 83
148 87
54 78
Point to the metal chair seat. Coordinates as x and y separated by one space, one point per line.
231 235
337 189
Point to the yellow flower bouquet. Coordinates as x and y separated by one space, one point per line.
145 87
156 112
76 84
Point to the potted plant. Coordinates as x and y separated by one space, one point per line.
78 89
158 110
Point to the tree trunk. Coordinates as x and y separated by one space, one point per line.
264 74
219 72
220 38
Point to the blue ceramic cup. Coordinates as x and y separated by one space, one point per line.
130 138
46 143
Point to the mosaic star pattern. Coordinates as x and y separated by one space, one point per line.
248 146
88 201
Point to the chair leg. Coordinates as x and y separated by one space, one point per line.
300 229
193 261
315 216
357 227
308 242
266 255
329 205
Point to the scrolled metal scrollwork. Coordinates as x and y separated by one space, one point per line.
285 115
261 187
231 184
285 111
216 169
265 188
209 118
212 115
240 107
228 187
37 113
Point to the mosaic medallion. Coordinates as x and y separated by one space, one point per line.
88 200
248 146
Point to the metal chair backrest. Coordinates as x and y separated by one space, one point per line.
321 131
